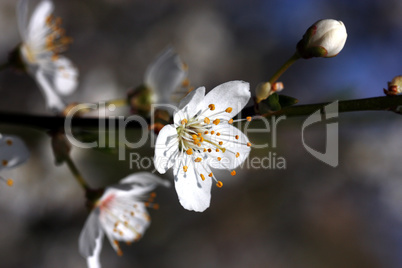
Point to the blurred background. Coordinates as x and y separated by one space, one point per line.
306 215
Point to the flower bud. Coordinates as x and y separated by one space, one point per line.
262 91
325 38
394 87
140 100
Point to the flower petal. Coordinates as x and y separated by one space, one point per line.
53 101
94 260
193 192
39 16
13 151
236 150
65 76
166 149
188 106
165 75
90 240
145 180
234 94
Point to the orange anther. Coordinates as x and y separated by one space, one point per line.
229 110
184 121
230 121
210 174
248 144
216 121
219 184
248 118
202 177
221 142
206 120
198 159
189 151
185 168
219 159
211 106
237 154
233 173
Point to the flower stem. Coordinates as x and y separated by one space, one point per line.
73 168
284 67
386 103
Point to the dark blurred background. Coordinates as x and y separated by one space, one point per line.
307 215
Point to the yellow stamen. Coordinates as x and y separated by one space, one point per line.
216 121
199 134
229 110
211 106
210 174
189 151
184 121
218 134
202 177
212 132
248 144
237 154
185 83
217 150
194 136
10 182
198 159
205 149
206 132
220 143
219 159
233 173
248 118
185 168
206 120
219 184
230 121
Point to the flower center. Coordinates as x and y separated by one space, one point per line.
203 138
56 40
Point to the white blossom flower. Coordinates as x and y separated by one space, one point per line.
325 38
120 213
42 41
203 137
166 75
13 152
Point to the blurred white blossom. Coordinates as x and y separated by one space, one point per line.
121 214
42 41
13 152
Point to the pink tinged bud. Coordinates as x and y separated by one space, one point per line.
325 38
394 87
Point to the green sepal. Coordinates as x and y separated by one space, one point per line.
286 101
